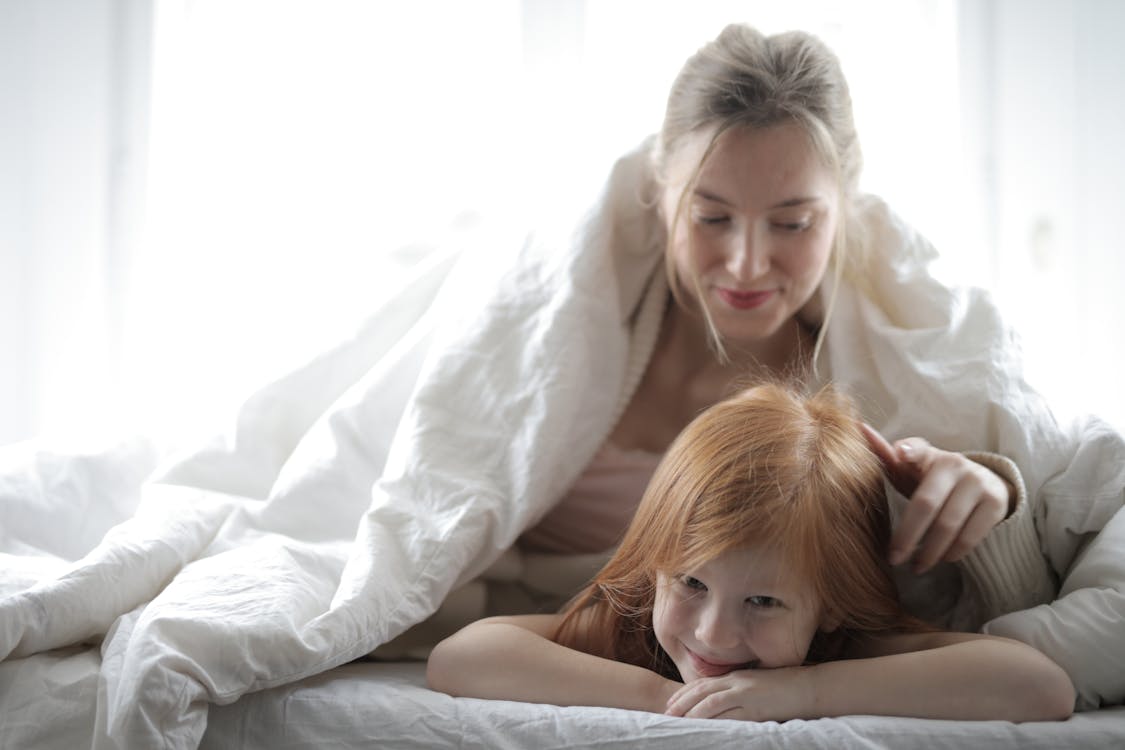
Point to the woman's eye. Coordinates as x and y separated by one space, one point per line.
712 220
763 602
793 226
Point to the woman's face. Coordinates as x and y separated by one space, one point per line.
756 230
743 610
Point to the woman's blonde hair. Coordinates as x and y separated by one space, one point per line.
768 465
744 79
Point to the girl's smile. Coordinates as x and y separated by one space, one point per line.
742 610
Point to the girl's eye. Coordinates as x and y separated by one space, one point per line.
792 226
763 602
693 583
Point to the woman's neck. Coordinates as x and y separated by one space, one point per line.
685 377
787 351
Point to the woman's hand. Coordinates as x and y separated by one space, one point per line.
954 502
748 694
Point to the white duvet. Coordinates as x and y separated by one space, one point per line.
227 577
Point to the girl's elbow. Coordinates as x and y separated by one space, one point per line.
1039 689
1052 695
442 668
1059 704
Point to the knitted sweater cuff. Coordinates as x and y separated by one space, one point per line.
1008 569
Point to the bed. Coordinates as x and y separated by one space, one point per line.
222 598
48 702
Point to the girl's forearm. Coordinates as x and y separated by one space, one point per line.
504 661
975 679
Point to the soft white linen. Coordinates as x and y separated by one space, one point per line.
372 705
354 494
202 594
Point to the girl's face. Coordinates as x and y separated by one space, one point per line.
757 229
742 610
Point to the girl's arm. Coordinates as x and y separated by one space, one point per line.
925 675
945 675
514 658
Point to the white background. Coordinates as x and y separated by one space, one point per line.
197 195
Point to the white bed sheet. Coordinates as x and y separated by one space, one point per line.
49 701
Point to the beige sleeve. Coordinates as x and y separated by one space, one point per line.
1008 568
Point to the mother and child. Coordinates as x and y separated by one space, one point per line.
754 578
752 584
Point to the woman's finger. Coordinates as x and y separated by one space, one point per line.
991 508
914 453
948 525
903 474
938 481
879 445
976 528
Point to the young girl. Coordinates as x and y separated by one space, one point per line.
752 584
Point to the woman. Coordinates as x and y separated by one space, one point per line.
751 584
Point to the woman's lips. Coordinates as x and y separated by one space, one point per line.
745 300
705 668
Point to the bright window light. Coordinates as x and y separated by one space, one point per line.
298 147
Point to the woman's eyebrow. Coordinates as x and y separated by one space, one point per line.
706 194
798 201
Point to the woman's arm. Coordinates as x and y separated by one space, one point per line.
927 675
514 658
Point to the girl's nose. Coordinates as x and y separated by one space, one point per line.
718 628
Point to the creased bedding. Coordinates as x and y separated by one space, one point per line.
371 705
354 494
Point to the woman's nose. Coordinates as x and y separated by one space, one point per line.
748 257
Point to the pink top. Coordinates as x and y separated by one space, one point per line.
593 515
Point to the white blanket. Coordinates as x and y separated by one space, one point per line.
269 555
216 580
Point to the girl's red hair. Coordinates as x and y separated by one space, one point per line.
768 465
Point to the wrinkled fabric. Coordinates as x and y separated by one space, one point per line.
353 495
925 360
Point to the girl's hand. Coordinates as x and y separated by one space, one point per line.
954 502
748 694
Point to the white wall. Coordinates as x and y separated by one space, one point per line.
65 143
1056 161
56 151
1038 211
